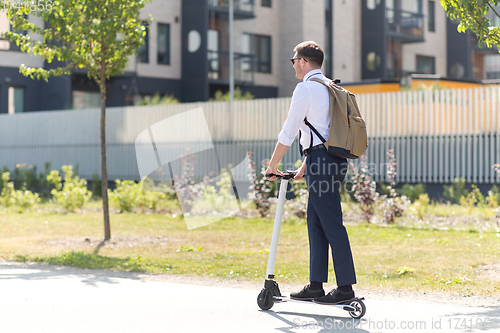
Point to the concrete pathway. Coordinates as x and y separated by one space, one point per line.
41 298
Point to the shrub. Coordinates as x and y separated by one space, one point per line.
25 177
298 206
262 187
1 179
493 199
392 205
96 186
71 195
473 198
45 185
125 195
421 205
497 210
412 192
158 100
456 190
222 198
129 195
9 196
238 96
364 188
26 199
187 190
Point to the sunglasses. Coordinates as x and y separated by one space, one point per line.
293 60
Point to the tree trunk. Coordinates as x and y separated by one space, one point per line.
104 168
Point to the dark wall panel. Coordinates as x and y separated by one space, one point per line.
373 41
194 86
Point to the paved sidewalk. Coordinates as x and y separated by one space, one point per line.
42 298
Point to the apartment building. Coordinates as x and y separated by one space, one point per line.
186 51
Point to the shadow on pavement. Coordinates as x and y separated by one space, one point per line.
487 320
309 321
33 271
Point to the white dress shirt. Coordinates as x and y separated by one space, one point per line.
310 99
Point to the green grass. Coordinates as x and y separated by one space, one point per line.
386 257
456 210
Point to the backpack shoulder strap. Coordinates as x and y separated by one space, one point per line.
320 81
314 130
308 123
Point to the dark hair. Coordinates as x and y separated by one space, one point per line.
311 51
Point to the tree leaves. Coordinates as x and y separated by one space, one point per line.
476 16
81 34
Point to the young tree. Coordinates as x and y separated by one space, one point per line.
475 15
95 35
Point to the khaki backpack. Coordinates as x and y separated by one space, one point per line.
348 138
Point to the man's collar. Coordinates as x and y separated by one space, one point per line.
311 73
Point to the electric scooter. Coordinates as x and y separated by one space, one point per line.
271 294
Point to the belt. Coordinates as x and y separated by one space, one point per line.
308 151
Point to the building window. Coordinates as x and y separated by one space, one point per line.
373 4
86 100
13 46
260 47
426 65
16 100
420 6
431 16
214 56
4 26
143 52
163 44
266 3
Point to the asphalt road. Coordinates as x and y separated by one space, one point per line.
42 298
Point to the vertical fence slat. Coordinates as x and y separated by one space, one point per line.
493 131
485 134
470 136
480 136
447 158
427 158
441 135
378 108
407 114
453 134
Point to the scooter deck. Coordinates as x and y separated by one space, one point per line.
344 305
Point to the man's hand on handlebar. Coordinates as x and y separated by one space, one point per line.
272 169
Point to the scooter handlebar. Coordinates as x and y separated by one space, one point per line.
286 175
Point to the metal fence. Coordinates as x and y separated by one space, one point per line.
436 136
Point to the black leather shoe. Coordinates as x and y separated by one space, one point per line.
334 297
306 294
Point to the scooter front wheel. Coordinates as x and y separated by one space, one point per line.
265 299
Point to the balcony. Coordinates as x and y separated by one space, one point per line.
406 26
218 67
243 9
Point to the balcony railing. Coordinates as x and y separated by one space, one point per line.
218 67
407 26
242 8
399 74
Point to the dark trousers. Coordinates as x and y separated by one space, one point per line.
324 174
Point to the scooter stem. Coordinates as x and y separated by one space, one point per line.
276 229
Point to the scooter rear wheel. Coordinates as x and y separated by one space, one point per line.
360 308
265 299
